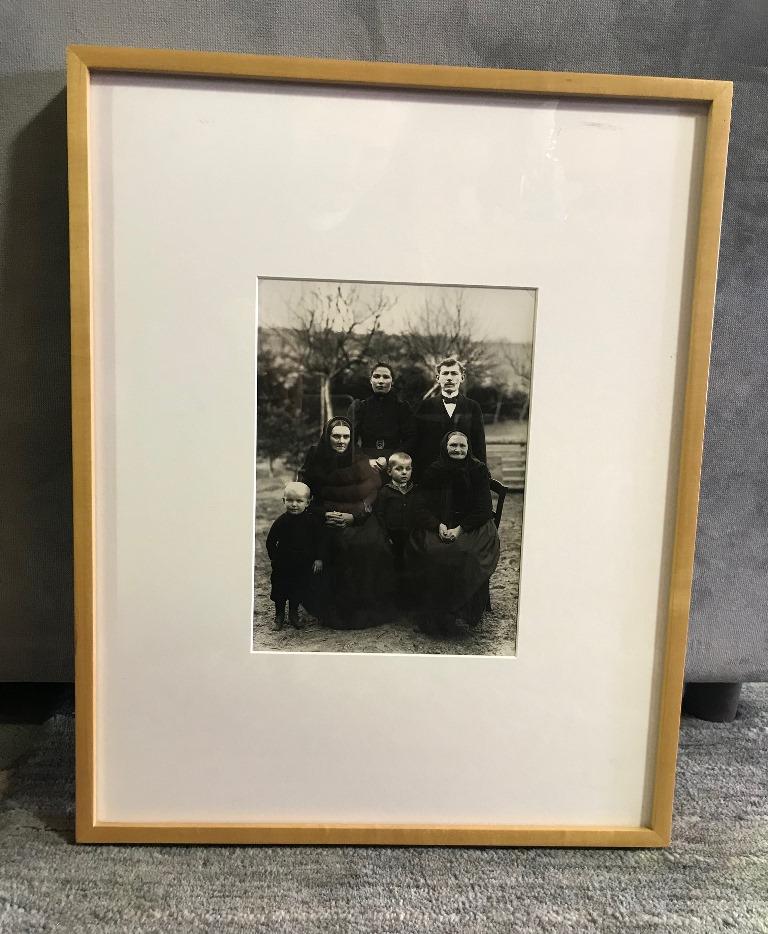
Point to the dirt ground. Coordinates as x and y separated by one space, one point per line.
496 634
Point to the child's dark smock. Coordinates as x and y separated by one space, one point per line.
402 510
294 543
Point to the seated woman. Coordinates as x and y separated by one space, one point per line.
344 487
454 562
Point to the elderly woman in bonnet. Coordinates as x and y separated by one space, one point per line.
457 549
344 487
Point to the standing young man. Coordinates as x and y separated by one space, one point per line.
449 410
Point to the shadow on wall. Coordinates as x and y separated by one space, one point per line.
36 590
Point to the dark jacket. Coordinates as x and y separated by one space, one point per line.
295 541
383 424
351 488
432 423
458 497
402 512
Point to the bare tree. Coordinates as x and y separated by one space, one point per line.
516 359
333 331
444 327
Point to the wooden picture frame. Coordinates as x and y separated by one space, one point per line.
100 729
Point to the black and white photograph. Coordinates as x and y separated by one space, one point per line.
392 429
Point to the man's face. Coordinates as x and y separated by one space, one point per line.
381 380
340 436
450 378
400 471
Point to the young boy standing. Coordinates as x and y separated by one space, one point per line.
398 506
295 547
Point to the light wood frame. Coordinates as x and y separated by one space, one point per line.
83 61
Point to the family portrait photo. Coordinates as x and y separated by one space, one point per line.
391 444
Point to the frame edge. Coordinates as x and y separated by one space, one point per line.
78 80
394 74
370 835
712 192
81 61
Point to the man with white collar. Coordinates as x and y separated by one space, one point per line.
449 410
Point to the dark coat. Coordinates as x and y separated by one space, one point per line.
296 539
340 482
458 497
383 424
294 543
432 423
452 574
402 512
351 488
356 574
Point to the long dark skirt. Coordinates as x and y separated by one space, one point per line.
453 575
359 581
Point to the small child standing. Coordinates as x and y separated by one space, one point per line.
295 547
398 506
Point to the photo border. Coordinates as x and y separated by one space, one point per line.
441 285
84 61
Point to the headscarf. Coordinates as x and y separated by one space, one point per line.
322 461
448 480
452 463
446 470
326 454
343 482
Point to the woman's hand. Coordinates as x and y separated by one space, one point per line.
317 566
449 535
339 519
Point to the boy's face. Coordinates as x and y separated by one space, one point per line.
381 380
450 378
340 437
295 501
400 471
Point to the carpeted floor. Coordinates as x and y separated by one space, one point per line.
713 878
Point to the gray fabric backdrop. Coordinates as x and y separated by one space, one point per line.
708 38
